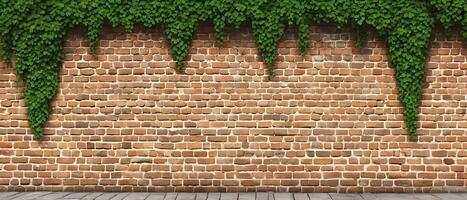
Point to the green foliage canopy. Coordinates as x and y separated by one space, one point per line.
34 29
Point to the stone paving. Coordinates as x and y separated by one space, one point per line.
227 196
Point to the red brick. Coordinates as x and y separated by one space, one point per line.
330 121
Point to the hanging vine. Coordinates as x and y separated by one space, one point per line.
34 30
449 13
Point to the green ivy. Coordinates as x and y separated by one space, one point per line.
33 30
362 34
268 30
449 12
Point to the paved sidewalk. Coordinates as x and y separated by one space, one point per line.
226 196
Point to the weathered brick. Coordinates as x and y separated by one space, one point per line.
330 120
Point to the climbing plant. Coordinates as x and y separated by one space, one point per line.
33 30
450 12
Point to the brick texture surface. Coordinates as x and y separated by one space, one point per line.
330 121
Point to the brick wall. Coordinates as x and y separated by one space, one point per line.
329 122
